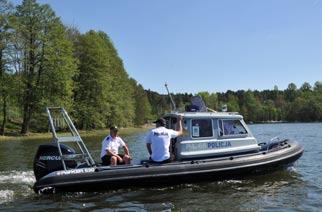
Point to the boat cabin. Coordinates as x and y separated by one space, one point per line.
210 134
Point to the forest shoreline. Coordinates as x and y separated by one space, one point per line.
123 131
83 133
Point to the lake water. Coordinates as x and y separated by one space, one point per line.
296 189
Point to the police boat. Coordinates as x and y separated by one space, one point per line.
214 146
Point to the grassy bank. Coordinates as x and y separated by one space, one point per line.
83 133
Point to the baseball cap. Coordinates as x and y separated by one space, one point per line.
114 128
160 121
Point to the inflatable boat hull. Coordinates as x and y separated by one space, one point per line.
109 178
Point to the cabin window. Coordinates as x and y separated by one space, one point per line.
231 128
201 128
185 124
168 122
171 123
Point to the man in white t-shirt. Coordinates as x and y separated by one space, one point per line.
110 149
158 141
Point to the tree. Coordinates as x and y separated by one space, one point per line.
304 109
142 105
47 61
252 106
103 93
306 87
159 103
122 101
291 92
318 86
269 111
210 99
92 91
232 103
317 97
6 10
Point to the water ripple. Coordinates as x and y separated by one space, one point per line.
297 189
17 177
6 196
15 185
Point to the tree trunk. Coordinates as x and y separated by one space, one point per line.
1 65
27 109
29 92
26 121
3 95
4 113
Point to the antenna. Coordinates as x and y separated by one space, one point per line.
172 102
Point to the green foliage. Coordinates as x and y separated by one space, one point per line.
92 84
318 87
44 63
293 104
160 103
232 103
291 92
210 99
103 92
47 62
122 101
6 81
252 106
142 105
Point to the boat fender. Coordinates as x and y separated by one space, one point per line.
262 144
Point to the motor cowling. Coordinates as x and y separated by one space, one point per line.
47 159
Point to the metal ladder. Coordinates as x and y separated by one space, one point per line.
84 155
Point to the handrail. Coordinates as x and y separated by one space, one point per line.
75 136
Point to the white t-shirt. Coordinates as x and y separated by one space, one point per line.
111 144
159 138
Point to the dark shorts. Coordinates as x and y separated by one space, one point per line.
106 160
160 162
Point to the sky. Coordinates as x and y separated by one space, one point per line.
207 45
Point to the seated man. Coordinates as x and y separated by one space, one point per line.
110 149
228 128
158 141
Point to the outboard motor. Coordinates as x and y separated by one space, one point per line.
47 159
